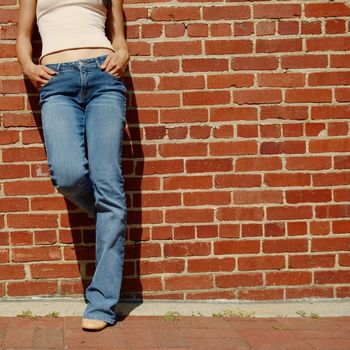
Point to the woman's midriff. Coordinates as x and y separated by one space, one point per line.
74 54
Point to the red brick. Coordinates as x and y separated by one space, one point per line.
285 245
161 266
199 30
311 27
339 61
181 83
195 98
208 165
176 48
288 278
31 220
308 95
332 277
202 65
252 263
174 30
237 180
188 282
157 199
36 254
326 10
155 66
152 30
336 26
183 150
304 61
233 148
277 10
184 115
281 79
23 154
329 78
224 47
210 265
11 103
243 28
328 44
239 280
226 12
254 197
189 215
311 261
230 114
229 80
288 27
187 249
204 198
174 13
28 187
54 271
11 272
151 167
13 204
278 45
248 164
261 96
29 288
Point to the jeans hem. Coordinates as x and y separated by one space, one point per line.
100 318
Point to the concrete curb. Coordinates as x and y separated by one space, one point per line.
41 306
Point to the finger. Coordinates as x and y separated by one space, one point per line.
105 64
47 75
114 70
113 74
49 70
43 76
112 67
43 81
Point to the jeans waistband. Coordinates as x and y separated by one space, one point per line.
86 62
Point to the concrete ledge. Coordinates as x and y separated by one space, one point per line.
41 306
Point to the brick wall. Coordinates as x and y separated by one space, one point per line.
236 158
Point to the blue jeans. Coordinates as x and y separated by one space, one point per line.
83 119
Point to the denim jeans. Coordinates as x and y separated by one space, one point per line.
83 118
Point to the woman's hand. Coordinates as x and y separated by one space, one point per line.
116 62
39 74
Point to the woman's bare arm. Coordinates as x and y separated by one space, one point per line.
38 74
26 22
115 25
115 33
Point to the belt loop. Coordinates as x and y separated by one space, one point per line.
97 62
58 66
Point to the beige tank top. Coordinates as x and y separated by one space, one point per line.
69 24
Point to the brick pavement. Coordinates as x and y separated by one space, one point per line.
183 332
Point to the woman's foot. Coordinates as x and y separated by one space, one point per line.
93 325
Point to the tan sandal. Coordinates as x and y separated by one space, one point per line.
93 325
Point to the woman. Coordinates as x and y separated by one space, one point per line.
83 102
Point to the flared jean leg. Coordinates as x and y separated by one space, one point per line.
105 114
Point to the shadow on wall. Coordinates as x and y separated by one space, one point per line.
75 230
